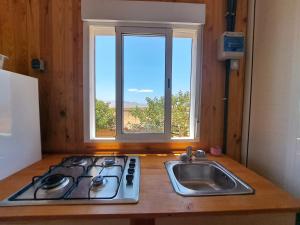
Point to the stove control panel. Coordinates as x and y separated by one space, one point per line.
130 171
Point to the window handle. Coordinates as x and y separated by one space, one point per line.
169 83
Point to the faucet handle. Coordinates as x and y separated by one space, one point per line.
189 151
183 157
199 154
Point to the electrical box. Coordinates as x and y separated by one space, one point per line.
231 45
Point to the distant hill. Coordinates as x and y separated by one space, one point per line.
127 105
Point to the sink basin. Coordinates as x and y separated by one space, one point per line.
204 178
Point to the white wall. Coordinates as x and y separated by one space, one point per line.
274 144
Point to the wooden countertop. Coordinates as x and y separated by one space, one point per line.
157 197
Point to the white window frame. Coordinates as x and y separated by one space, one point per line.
90 129
148 137
90 32
195 82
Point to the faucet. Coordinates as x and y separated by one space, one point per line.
188 155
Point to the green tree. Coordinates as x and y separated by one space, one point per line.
105 116
151 117
181 114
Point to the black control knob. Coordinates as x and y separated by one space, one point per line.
131 165
129 178
130 171
132 160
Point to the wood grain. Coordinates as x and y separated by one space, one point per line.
236 93
249 219
52 30
157 197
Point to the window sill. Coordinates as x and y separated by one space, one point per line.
114 140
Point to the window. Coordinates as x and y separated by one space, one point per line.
143 84
144 75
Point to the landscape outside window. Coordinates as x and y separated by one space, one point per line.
144 83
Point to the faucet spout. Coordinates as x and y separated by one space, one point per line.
189 153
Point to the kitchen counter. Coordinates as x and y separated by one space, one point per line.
157 198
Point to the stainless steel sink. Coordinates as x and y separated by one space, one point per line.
204 178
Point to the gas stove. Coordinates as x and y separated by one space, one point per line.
83 180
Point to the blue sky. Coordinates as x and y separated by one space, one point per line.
144 67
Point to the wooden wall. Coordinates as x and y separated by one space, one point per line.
52 30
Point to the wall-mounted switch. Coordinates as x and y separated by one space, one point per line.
38 64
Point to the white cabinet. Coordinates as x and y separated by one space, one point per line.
20 143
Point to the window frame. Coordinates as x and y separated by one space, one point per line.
93 32
94 29
149 137
195 91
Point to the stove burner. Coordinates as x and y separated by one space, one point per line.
98 181
53 181
102 180
108 162
77 161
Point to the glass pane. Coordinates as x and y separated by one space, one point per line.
181 86
143 83
105 77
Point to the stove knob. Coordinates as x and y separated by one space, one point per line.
133 160
131 165
129 179
130 171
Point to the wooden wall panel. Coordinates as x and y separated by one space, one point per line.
13 36
236 94
57 107
213 76
33 33
46 79
52 30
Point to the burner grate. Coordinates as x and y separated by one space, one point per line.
78 178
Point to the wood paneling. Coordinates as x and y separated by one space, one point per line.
236 93
261 219
52 30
